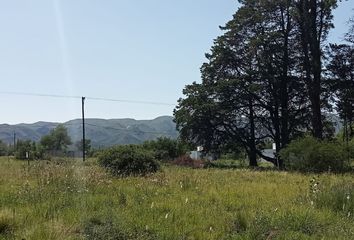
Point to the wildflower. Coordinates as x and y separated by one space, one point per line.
348 197
186 200
166 216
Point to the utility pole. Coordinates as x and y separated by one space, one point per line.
83 129
14 141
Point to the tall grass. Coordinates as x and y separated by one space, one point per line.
71 200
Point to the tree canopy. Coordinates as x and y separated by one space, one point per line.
263 79
57 140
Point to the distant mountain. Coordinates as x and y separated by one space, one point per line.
102 132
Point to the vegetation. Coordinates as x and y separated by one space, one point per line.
166 149
57 140
4 149
128 160
26 149
74 200
266 79
310 154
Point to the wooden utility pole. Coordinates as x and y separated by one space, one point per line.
14 141
83 129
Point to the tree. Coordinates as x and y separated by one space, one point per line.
314 20
79 145
57 140
350 35
4 149
26 149
249 92
341 83
165 148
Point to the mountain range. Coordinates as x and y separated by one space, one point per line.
102 132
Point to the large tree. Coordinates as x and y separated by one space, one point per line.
248 94
57 140
314 19
260 78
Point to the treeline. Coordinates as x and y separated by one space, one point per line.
272 76
56 143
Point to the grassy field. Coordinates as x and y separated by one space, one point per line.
72 200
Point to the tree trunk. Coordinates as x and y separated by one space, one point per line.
312 61
252 139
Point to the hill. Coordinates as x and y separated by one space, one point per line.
102 132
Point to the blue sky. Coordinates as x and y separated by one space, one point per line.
120 49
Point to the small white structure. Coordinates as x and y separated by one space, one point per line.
201 154
196 155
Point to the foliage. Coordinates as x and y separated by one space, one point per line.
57 140
166 149
127 160
312 155
26 149
80 146
350 34
262 80
88 149
163 148
4 149
341 83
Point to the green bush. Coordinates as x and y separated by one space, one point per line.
128 160
311 155
166 149
24 147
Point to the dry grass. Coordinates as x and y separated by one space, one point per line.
72 200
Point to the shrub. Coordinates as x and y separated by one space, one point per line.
311 155
24 147
166 149
128 160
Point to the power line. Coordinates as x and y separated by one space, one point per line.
39 95
89 98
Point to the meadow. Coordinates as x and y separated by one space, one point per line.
68 199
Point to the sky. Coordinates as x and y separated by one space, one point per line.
134 50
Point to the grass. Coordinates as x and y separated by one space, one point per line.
69 199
